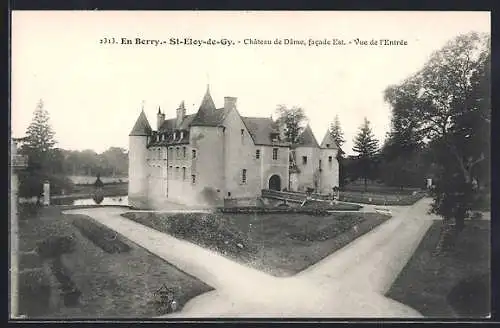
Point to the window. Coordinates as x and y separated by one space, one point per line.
320 164
159 153
170 172
193 178
242 131
257 154
176 172
177 152
330 159
327 145
193 153
170 152
183 173
244 176
275 153
304 160
182 135
228 194
184 152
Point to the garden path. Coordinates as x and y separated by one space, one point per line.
349 283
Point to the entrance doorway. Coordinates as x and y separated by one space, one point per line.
275 182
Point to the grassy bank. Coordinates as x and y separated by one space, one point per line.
88 271
281 244
453 284
378 198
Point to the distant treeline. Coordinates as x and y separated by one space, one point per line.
112 162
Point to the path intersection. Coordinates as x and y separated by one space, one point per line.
349 283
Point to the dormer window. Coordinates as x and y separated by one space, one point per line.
157 137
182 135
163 137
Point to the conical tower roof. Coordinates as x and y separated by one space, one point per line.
307 139
141 126
207 114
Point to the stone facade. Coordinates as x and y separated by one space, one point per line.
217 155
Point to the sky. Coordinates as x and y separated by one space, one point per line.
94 92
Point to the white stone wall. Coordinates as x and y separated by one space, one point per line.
330 170
138 170
271 167
240 154
208 166
307 171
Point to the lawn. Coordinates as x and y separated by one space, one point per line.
454 284
73 267
280 244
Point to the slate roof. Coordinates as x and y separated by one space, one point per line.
333 144
307 139
141 126
260 129
207 114
170 123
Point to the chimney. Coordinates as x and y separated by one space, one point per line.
230 103
181 113
160 118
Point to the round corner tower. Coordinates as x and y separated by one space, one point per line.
137 157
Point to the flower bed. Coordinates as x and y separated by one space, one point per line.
103 237
206 229
268 210
68 288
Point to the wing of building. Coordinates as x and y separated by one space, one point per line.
216 154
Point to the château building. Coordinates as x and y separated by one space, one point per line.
216 154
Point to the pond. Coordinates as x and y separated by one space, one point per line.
112 200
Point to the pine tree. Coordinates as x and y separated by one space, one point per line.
336 131
39 140
366 145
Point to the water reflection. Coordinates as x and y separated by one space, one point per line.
113 200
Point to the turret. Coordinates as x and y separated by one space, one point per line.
137 168
160 118
180 114
330 165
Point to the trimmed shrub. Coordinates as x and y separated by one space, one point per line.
70 292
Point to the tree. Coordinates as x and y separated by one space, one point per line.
336 131
448 105
366 146
291 122
403 154
39 139
44 162
116 160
